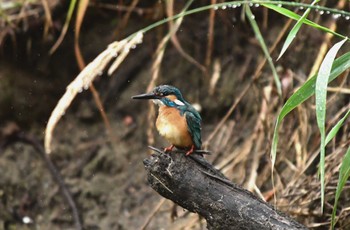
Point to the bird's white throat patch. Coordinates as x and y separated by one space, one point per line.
158 102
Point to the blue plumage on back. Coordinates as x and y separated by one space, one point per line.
194 127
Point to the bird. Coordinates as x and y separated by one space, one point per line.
177 121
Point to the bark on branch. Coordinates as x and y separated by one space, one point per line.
196 185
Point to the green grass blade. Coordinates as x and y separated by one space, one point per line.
336 128
302 94
321 99
65 27
258 35
294 16
269 4
295 30
344 173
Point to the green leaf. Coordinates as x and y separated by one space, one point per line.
302 94
295 30
336 128
269 4
65 27
258 35
344 173
321 101
294 16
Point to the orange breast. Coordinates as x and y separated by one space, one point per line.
173 127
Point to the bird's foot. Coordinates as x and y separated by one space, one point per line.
189 152
169 149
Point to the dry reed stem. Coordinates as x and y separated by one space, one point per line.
258 139
302 193
175 41
118 50
265 18
215 77
153 213
22 13
122 8
62 35
336 117
303 136
155 69
228 114
11 19
339 90
245 90
104 116
16 17
126 17
48 17
185 55
189 222
238 155
155 75
83 4
224 139
325 44
210 35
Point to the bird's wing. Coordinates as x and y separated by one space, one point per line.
194 127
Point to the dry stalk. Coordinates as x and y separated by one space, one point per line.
48 17
210 35
156 69
338 90
238 155
116 50
258 139
123 8
245 90
302 194
301 141
325 44
188 221
155 74
153 213
126 17
215 76
83 4
175 41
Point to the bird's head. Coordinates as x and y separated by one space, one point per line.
164 95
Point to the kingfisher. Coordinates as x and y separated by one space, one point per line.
178 121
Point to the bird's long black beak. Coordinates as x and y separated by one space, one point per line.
145 96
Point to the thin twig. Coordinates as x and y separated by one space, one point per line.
256 75
210 36
152 214
176 42
22 137
325 44
122 8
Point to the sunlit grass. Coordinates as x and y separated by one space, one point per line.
321 105
293 32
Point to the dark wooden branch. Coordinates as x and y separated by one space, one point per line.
196 185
